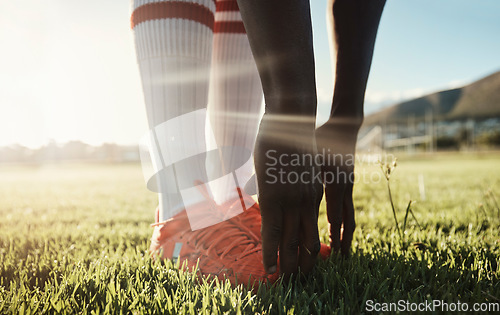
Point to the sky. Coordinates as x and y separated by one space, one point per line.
68 69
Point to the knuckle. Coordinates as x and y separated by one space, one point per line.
270 232
291 245
274 229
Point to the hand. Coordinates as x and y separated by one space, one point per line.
337 144
340 212
288 199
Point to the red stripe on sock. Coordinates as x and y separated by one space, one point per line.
230 5
229 27
172 10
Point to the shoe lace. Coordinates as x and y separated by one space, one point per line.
239 234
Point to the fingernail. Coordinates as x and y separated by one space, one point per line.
271 269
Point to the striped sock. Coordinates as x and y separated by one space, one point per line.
235 100
173 42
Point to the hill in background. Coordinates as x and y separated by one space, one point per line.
478 100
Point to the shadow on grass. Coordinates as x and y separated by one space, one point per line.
341 285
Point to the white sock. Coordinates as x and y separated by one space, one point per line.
235 101
174 47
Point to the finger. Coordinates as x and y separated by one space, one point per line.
289 245
334 203
348 220
271 228
309 241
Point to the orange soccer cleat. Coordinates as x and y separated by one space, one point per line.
228 249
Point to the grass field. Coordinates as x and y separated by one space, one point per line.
74 239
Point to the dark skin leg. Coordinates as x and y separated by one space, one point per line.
280 36
354 28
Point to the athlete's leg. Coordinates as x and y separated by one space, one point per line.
235 100
174 46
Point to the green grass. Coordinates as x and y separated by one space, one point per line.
74 239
